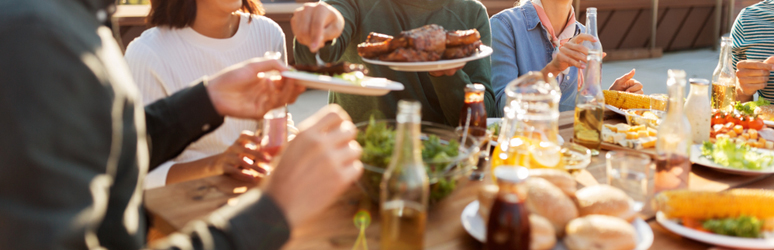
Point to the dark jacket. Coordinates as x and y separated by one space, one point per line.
76 143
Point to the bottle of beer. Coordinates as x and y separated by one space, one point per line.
508 226
590 105
591 29
674 140
724 79
405 186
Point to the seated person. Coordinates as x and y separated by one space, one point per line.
334 28
753 51
543 35
78 143
184 46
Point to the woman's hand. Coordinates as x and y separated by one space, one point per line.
627 83
245 91
752 76
238 161
316 23
572 53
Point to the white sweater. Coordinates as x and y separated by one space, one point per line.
164 61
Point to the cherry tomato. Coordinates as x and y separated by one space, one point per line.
744 121
756 123
718 118
733 119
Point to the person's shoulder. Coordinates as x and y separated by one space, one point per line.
511 16
147 46
260 23
760 9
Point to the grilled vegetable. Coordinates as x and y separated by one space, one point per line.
744 226
626 100
710 205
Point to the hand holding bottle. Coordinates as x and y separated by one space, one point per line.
752 76
572 53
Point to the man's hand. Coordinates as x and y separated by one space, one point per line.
315 168
572 53
752 76
238 161
316 23
245 91
627 83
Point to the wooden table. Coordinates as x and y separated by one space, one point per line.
175 205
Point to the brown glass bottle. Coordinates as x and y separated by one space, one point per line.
508 226
474 101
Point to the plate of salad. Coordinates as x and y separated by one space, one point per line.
726 156
753 109
343 78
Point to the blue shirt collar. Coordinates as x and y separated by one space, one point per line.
531 15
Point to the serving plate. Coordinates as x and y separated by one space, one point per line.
714 239
482 52
768 123
614 109
372 86
475 226
697 158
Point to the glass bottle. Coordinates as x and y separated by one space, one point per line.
674 139
699 104
405 186
474 105
591 29
724 79
590 105
508 225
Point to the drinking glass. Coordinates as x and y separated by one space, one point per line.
658 101
482 138
274 132
629 171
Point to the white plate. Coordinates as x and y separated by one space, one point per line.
697 158
482 52
474 224
616 110
714 239
371 86
768 123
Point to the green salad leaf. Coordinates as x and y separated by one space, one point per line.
748 108
743 226
729 154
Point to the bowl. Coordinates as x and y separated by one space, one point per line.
575 157
648 117
442 183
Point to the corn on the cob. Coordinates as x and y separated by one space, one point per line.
626 100
706 204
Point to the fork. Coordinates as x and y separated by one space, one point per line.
319 61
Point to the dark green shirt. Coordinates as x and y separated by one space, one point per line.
76 143
441 97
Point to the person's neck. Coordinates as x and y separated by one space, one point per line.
216 25
558 11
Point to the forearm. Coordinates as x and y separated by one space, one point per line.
186 171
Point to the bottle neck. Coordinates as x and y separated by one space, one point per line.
591 24
725 69
407 143
676 100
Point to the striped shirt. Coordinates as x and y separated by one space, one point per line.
753 38
164 61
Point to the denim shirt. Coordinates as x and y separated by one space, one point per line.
521 45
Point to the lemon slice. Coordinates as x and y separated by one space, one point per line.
546 155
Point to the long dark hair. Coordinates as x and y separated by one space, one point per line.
182 13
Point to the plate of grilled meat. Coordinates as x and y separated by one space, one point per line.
427 48
342 77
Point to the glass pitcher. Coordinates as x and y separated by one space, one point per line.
530 129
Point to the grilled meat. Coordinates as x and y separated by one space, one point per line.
461 51
430 38
462 37
410 55
373 50
331 69
374 37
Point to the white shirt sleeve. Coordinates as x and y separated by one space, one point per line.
158 177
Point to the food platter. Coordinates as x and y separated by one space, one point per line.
697 158
371 86
769 123
614 109
475 226
714 239
483 52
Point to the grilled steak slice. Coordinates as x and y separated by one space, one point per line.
430 38
331 69
373 50
462 37
410 55
374 37
461 51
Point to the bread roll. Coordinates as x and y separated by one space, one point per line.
604 199
486 196
547 200
600 232
542 233
559 178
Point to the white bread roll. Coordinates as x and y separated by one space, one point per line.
606 200
547 200
542 233
600 232
559 178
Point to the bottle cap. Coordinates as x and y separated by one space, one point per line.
699 81
512 174
591 10
475 87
